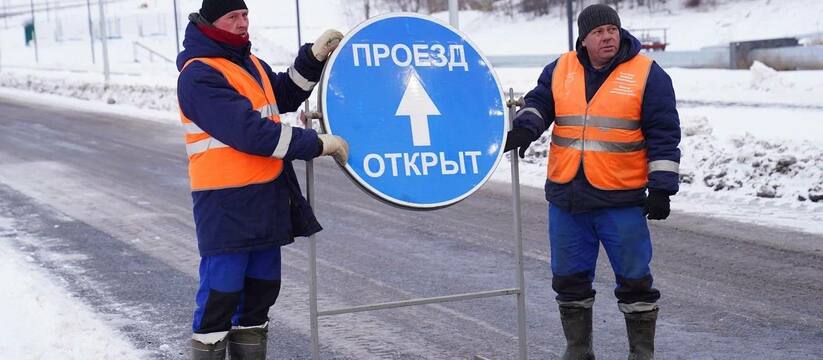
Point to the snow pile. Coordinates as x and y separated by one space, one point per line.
41 320
767 79
741 165
142 96
749 166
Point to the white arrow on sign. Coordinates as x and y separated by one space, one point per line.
417 105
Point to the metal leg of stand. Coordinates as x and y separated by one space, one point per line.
315 331
518 234
313 322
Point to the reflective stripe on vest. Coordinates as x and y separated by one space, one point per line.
215 165
603 134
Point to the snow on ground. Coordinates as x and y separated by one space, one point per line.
757 86
42 319
687 30
754 155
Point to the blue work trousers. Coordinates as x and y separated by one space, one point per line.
575 240
236 289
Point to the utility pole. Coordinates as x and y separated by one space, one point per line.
454 14
34 35
1 53
91 31
104 38
176 28
6 13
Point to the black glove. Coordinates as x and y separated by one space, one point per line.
518 138
657 205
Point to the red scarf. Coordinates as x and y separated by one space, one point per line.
223 36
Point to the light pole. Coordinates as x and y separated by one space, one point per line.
104 39
454 14
176 29
6 13
91 31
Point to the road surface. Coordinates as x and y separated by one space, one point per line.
102 202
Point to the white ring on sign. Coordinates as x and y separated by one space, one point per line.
352 173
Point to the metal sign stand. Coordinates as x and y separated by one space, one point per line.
518 231
519 291
315 338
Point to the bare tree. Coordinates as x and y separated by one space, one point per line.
535 7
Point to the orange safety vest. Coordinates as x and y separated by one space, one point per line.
214 165
603 134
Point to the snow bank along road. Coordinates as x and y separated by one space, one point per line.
110 195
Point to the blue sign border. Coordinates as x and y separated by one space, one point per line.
352 173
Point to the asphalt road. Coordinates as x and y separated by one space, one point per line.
102 203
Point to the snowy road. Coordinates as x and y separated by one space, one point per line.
109 197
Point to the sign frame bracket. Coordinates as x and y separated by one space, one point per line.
315 313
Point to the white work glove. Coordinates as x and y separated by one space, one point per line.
335 146
325 44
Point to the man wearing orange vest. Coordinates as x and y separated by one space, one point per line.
247 201
616 133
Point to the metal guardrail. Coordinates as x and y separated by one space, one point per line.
64 69
152 53
702 59
521 61
714 58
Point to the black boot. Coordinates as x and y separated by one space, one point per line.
640 328
201 351
577 326
248 344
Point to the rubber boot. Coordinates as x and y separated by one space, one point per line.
640 329
201 351
248 344
577 326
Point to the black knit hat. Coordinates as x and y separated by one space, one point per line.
594 16
212 10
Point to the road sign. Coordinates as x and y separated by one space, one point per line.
421 108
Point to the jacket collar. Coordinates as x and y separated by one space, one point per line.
197 44
629 48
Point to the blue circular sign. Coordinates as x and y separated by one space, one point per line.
421 108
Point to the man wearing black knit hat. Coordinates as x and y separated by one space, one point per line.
616 135
247 201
